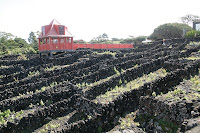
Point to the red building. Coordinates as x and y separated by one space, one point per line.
56 37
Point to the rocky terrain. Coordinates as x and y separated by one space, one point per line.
150 88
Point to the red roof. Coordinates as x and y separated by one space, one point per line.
50 30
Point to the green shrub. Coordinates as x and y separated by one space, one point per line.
192 34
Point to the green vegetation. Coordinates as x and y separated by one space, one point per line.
195 83
100 39
48 126
2 66
192 58
37 91
41 103
79 41
106 79
106 52
7 115
172 128
54 123
104 39
192 34
45 87
169 31
179 93
117 72
132 119
128 121
115 92
167 126
34 73
21 51
55 67
50 68
14 45
133 40
84 84
33 41
194 43
154 94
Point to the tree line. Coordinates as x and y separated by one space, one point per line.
10 44
104 39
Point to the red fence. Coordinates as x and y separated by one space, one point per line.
47 47
101 46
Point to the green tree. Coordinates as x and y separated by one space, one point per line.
4 50
21 42
169 31
33 41
6 36
115 39
32 38
100 39
127 41
14 45
139 39
104 36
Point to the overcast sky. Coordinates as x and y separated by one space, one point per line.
86 19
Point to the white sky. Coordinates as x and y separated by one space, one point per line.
86 19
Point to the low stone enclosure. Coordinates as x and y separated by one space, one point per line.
150 88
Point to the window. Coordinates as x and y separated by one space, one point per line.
69 40
43 30
61 30
47 41
62 40
40 41
55 40
44 41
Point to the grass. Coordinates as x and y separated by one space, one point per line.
115 92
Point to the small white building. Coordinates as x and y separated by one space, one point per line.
146 41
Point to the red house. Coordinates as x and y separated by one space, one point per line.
55 37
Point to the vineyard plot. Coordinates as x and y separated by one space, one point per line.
101 90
